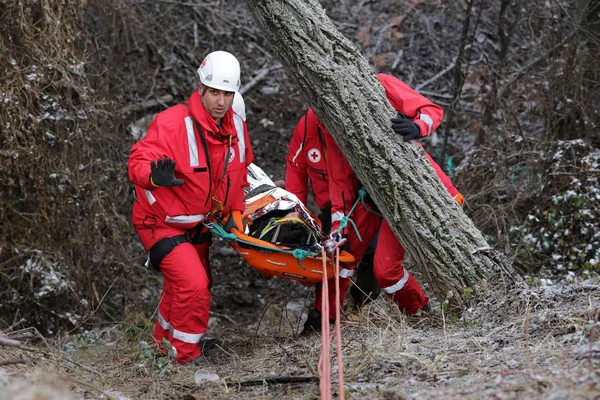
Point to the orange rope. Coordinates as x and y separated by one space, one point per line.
324 366
338 325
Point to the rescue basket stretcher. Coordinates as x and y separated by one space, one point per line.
270 208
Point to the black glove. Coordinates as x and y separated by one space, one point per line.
405 127
325 218
162 173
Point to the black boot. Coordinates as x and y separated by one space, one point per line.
365 289
208 343
313 323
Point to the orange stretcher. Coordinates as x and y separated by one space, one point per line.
302 263
269 263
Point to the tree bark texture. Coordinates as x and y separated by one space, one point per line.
341 88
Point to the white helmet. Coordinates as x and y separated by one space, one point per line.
220 70
239 107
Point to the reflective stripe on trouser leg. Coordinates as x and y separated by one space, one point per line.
390 274
410 298
176 334
185 316
398 285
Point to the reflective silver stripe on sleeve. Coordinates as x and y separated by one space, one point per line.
427 119
239 127
398 285
183 336
192 144
346 273
337 216
185 219
150 197
297 153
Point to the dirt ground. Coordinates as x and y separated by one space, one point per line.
542 343
537 344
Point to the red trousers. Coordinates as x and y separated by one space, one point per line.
388 268
183 311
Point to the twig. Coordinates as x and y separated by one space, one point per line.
436 76
260 321
166 99
99 304
10 328
527 353
399 55
382 32
260 76
221 315
521 72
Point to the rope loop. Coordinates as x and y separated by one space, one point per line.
299 254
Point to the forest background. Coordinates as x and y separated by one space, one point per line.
81 80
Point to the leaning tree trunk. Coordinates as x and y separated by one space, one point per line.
343 91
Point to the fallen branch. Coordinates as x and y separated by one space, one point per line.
21 360
164 100
279 380
23 336
436 76
14 343
9 342
260 76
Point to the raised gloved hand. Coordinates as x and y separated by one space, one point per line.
162 173
406 128
234 221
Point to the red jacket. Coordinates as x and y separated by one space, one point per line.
343 183
306 160
174 134
410 103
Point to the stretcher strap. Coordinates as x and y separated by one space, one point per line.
299 254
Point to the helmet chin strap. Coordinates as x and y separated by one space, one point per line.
202 92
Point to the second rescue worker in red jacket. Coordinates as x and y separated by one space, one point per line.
314 155
190 167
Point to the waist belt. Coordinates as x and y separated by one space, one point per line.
199 237
163 247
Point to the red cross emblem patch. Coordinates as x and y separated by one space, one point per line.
314 155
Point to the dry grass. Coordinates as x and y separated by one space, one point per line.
542 345
75 73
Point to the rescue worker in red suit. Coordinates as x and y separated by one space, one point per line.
313 155
190 167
